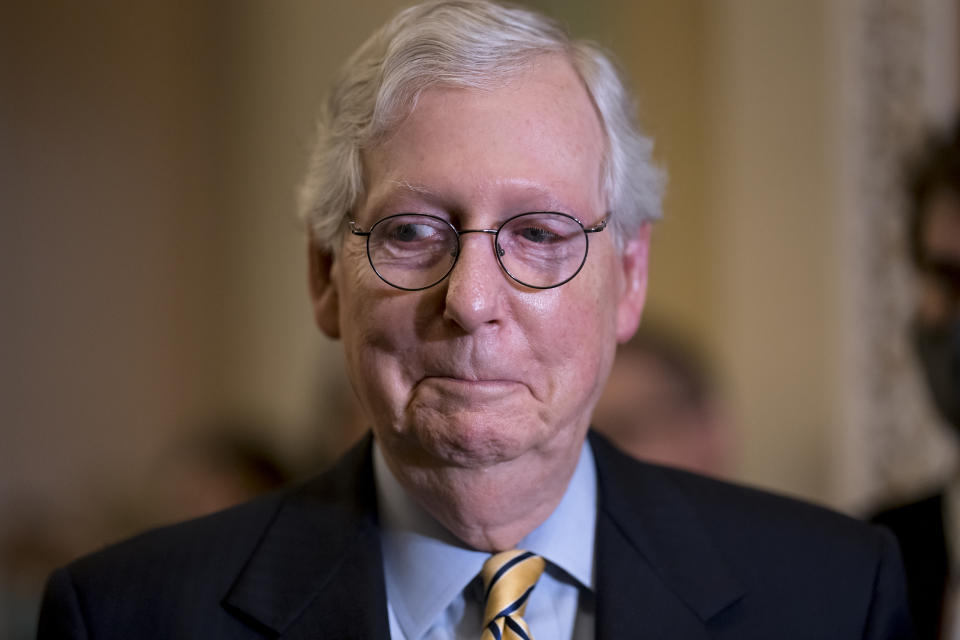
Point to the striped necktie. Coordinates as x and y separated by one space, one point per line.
508 579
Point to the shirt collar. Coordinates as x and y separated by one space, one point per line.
562 538
415 545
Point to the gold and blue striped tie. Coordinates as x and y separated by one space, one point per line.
508 579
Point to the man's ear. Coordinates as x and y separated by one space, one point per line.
323 290
633 261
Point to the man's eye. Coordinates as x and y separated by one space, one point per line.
410 232
538 235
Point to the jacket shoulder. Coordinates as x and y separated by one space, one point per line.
172 582
821 573
186 546
726 508
167 582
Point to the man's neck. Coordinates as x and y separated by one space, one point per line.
427 569
492 508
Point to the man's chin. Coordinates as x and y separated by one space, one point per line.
472 440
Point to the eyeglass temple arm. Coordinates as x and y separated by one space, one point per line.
600 226
355 230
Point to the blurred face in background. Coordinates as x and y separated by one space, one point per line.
649 412
937 322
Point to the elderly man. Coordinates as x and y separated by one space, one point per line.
479 208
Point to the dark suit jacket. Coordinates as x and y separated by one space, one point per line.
919 527
678 556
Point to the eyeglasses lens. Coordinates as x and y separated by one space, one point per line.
542 249
412 251
416 251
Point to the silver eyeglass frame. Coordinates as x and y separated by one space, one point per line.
498 250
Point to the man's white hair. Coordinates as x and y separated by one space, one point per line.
469 44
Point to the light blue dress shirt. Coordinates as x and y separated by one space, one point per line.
433 587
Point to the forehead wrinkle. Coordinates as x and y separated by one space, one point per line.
508 195
414 187
546 197
399 188
403 186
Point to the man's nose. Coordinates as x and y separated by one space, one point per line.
475 287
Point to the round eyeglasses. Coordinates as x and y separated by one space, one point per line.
415 251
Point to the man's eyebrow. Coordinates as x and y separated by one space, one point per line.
414 187
523 190
395 191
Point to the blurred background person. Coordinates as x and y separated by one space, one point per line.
33 541
928 526
210 469
662 404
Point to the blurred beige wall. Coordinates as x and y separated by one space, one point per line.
112 282
772 217
154 277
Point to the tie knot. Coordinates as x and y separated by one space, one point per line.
508 579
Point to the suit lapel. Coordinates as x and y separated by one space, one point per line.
317 573
659 574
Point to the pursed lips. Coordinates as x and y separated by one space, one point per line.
471 385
